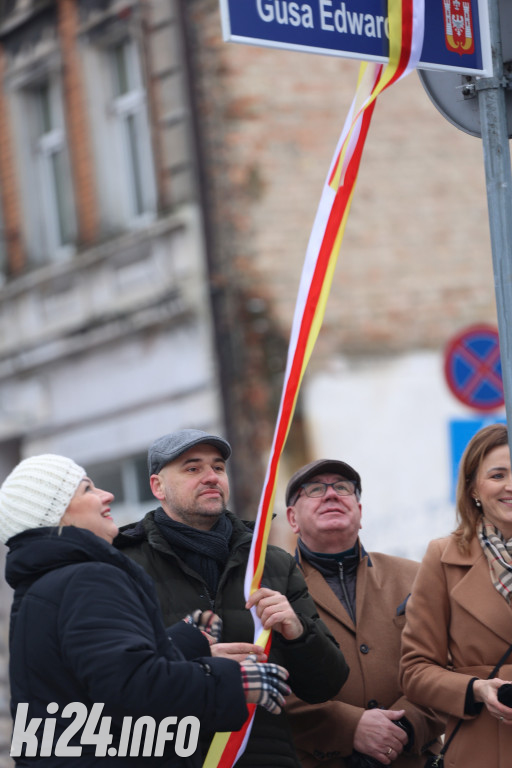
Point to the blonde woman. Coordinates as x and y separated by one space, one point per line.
95 677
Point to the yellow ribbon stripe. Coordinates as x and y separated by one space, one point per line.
406 26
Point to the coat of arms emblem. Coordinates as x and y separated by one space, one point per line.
458 26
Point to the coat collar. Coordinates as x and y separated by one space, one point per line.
362 553
451 554
323 595
474 591
38 551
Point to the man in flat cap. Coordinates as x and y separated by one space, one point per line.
361 597
197 552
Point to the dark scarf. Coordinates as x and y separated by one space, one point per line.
326 562
206 552
340 572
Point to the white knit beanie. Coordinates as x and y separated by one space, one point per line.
37 493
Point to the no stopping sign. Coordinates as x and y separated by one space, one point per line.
472 367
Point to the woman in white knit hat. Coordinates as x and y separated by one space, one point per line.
94 675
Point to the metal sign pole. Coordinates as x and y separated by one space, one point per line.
498 174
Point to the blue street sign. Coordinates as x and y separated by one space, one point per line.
460 433
456 31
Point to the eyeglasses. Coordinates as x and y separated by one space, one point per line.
341 487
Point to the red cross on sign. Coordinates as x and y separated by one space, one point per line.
472 367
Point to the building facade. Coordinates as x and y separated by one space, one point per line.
157 191
106 336
415 267
105 321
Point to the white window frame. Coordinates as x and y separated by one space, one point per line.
123 163
49 146
37 149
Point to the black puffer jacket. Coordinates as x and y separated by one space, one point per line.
86 627
316 665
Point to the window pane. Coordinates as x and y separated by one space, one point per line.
121 70
51 197
61 201
144 489
108 477
43 96
134 162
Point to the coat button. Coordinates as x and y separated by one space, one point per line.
372 704
364 648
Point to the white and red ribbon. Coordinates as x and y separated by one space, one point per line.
406 30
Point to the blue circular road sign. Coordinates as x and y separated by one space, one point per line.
472 368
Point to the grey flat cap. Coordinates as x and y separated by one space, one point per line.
315 468
169 447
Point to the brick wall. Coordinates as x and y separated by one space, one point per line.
9 187
415 263
77 125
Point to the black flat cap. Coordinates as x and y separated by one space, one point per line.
315 468
169 447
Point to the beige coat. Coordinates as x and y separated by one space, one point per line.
458 627
324 733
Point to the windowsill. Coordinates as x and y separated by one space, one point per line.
143 228
130 283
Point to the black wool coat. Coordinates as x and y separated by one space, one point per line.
86 628
316 665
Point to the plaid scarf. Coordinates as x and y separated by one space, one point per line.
499 556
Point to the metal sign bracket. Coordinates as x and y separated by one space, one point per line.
473 85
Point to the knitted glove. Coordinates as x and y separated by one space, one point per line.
264 684
206 621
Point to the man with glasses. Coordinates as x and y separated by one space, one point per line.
361 597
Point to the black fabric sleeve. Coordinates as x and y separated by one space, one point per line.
190 640
472 707
112 645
